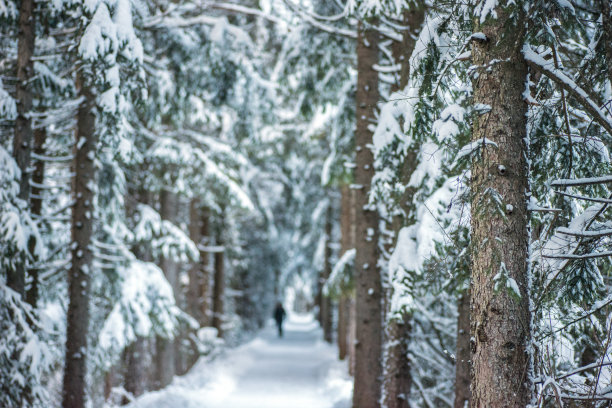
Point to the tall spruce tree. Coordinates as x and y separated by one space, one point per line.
500 325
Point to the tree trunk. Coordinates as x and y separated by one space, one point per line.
195 275
397 378
367 276
352 335
219 287
319 297
327 319
606 15
22 141
462 354
195 233
36 202
80 270
402 50
204 272
137 356
135 368
166 355
500 323
345 245
352 319
342 333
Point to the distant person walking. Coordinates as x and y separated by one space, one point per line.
279 316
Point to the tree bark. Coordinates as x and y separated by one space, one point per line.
397 378
166 353
327 320
197 293
500 323
402 50
367 275
462 354
195 233
345 245
36 202
352 335
135 368
80 270
204 277
606 14
22 141
342 332
219 288
137 355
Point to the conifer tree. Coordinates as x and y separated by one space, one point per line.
500 325
367 274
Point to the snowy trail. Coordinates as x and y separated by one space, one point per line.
296 371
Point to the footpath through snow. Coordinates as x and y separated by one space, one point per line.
296 371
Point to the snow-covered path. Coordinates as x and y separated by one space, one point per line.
296 371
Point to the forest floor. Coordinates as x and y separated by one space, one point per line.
296 371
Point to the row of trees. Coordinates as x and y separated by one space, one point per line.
435 173
150 179
481 269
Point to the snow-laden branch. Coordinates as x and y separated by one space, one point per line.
561 250
585 234
309 18
578 370
387 68
582 256
587 181
536 62
585 198
340 16
218 22
250 11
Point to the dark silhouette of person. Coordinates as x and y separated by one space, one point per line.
279 316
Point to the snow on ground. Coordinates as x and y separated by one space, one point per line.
296 371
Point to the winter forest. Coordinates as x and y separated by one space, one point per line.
425 186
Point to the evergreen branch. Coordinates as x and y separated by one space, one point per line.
577 319
573 255
537 63
585 198
582 256
309 18
585 234
581 181
576 371
249 11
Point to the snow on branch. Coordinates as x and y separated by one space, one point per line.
219 23
587 181
387 68
250 11
581 256
547 68
8 107
317 24
585 198
147 306
560 248
340 276
585 234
